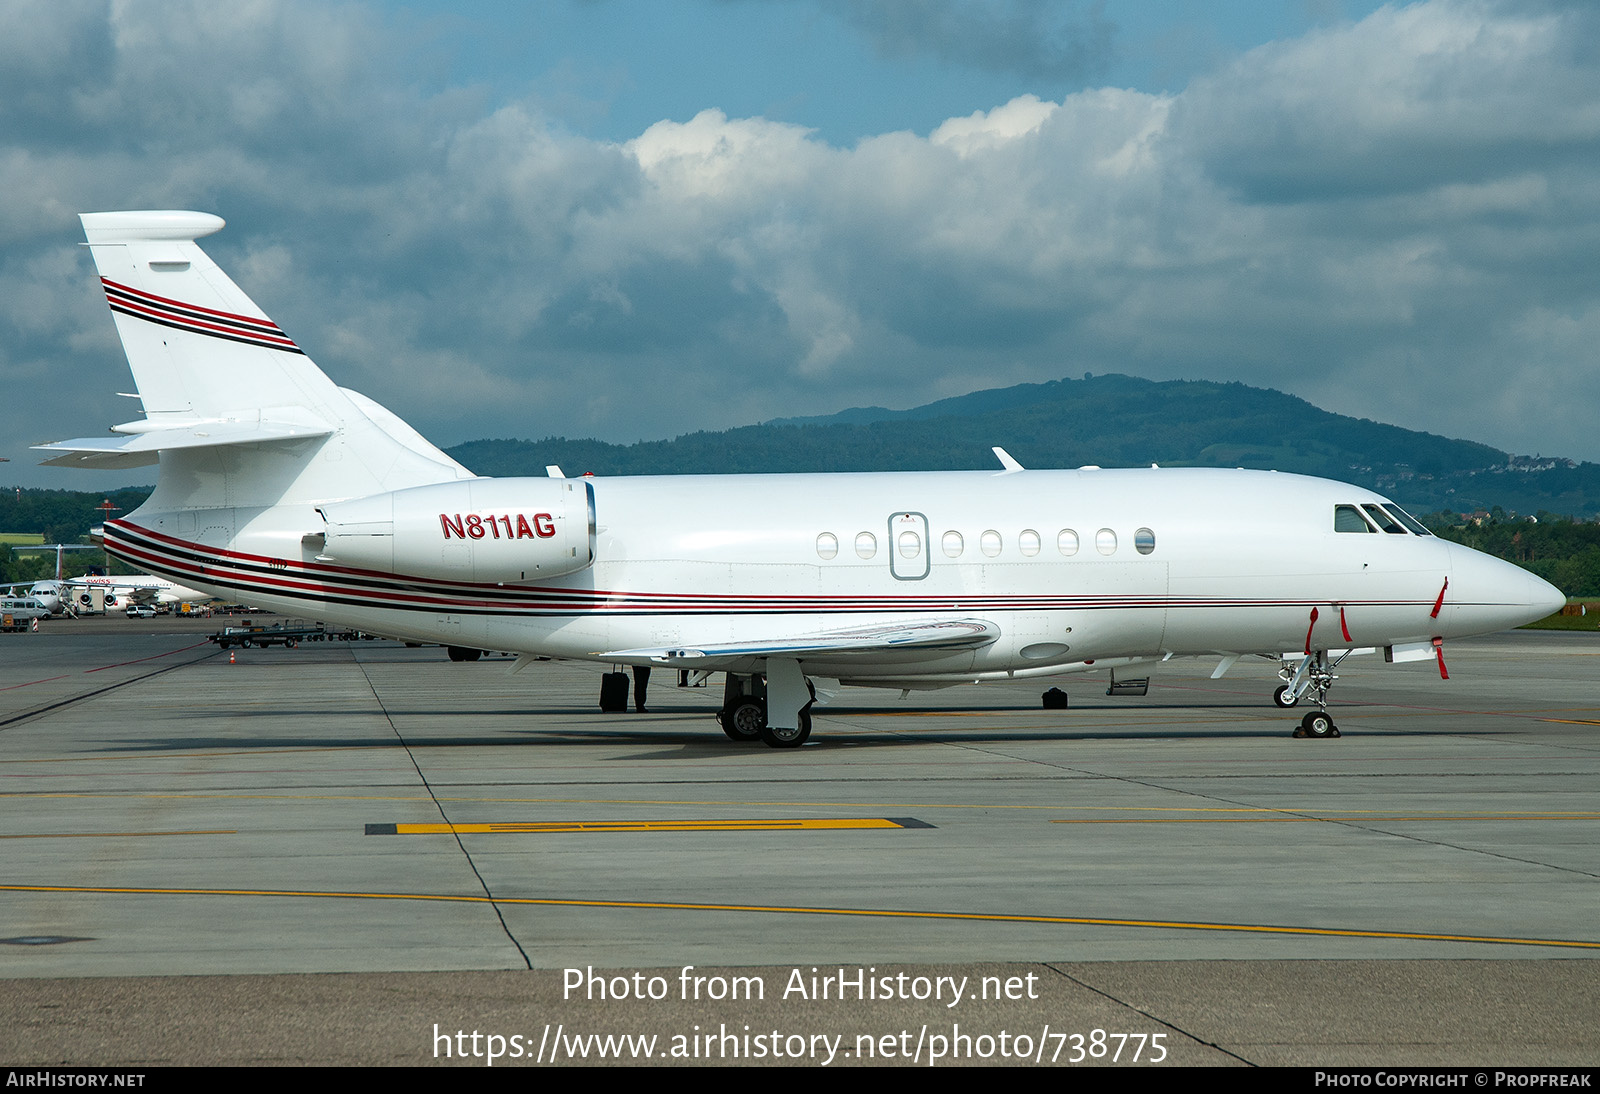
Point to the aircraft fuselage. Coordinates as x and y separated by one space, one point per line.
1071 566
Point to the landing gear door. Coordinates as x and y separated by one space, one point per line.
909 557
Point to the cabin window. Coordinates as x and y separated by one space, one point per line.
1384 520
1105 541
1067 541
1347 518
910 545
990 543
827 545
1028 542
1144 541
952 544
866 545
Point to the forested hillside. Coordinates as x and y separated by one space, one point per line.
1105 420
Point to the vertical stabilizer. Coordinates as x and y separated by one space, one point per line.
197 345
235 411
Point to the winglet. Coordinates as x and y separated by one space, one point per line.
1008 461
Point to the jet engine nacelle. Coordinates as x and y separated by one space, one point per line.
486 530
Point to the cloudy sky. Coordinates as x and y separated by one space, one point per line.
631 218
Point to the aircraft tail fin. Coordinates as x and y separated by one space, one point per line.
219 379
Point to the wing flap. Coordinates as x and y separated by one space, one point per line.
890 642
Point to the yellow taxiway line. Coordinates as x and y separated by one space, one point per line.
877 913
550 827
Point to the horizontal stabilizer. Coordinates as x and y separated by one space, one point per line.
140 450
896 642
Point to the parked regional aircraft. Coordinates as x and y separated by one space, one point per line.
47 593
278 488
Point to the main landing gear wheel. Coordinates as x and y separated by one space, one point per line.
787 738
1283 699
1318 724
744 721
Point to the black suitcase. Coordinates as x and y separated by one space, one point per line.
614 692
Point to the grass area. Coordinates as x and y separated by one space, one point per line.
20 539
1561 621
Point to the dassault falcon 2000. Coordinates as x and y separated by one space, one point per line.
279 488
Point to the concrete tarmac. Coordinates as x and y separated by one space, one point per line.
339 853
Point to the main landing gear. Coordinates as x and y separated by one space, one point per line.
1312 673
743 716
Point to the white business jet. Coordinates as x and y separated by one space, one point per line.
278 488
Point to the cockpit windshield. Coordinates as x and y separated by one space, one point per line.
1384 520
1411 522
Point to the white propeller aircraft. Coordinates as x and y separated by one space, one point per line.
278 488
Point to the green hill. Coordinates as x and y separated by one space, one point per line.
1107 420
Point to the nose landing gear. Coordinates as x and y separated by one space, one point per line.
1312 673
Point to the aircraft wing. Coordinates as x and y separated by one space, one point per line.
112 587
890 642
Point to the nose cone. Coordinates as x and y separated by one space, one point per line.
1544 597
1489 594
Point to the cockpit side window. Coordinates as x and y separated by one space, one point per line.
1347 518
1384 520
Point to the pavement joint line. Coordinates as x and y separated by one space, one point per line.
107 835
1328 820
876 913
47 708
483 883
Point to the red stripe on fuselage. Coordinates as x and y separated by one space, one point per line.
318 581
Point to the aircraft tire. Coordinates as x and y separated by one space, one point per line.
1319 724
1282 699
788 738
744 721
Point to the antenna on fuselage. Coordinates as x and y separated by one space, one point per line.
1007 461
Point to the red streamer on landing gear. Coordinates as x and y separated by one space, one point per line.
1438 649
1311 628
1344 630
